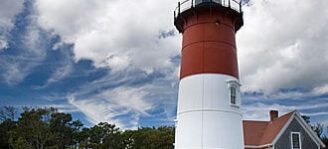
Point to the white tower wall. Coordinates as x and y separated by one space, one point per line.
206 119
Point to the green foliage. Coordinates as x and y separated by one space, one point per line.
20 143
154 138
43 129
46 128
61 130
306 119
325 138
101 136
5 126
33 127
319 130
7 113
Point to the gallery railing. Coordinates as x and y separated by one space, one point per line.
187 4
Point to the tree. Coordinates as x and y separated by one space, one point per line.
21 143
5 127
325 138
82 138
128 138
44 128
32 127
103 136
8 112
152 138
76 127
112 138
318 129
62 132
306 119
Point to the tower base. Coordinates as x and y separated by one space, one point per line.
206 118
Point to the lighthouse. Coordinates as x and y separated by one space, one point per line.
209 102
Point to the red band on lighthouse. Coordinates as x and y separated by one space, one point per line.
209 44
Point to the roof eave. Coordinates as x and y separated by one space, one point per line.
307 128
283 129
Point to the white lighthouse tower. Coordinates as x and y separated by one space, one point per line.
209 115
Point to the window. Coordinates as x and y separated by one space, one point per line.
296 140
233 86
233 95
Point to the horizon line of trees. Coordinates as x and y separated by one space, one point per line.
46 128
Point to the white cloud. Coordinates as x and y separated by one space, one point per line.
320 90
112 105
114 34
63 71
13 73
283 44
16 68
3 44
290 95
125 36
122 99
8 10
316 114
65 108
260 111
59 74
31 51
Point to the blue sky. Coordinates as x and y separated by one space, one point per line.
112 61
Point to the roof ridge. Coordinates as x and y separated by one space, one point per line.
273 123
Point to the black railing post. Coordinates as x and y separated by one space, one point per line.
179 7
229 3
192 3
240 6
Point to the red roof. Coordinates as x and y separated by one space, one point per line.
263 132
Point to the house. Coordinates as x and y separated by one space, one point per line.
289 131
